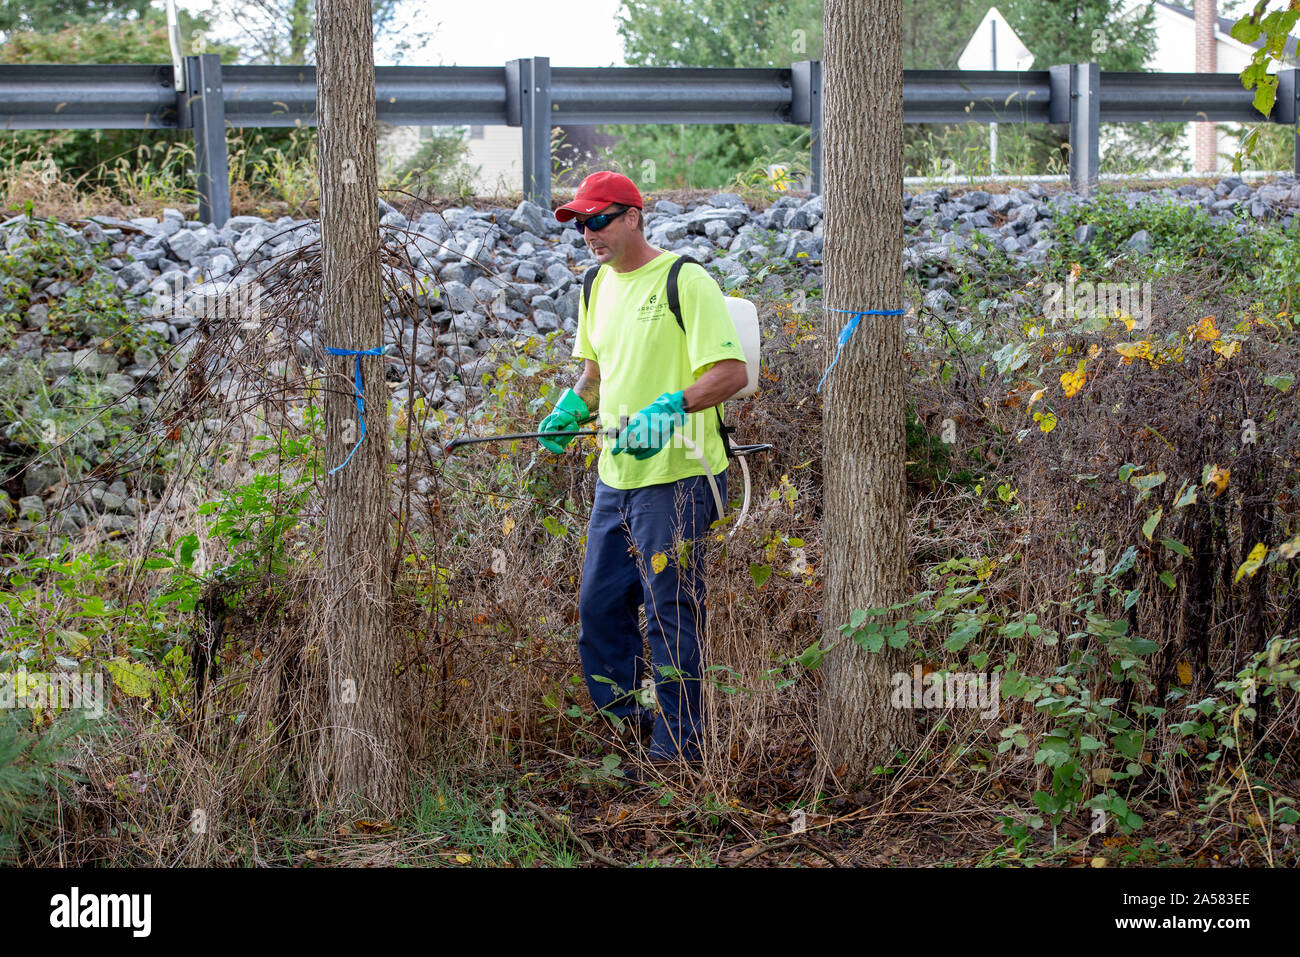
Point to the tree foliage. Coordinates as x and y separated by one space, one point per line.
48 16
91 153
735 33
1116 38
1082 31
284 31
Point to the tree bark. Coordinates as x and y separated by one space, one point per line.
366 756
863 406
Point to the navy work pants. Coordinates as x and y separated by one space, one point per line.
633 531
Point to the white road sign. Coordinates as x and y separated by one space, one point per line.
995 46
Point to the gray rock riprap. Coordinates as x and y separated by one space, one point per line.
479 277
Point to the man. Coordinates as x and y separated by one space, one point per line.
651 493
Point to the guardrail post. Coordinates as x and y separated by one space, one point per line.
203 110
528 105
806 108
1287 109
1076 99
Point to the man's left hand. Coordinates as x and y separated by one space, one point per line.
648 432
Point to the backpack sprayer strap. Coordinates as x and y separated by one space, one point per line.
675 307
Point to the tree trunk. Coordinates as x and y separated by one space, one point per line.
864 440
367 756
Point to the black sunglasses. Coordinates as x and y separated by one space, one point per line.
597 223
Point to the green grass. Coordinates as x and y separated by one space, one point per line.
463 814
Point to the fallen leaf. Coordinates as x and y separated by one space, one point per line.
1203 329
1138 350
1217 477
1252 563
1072 382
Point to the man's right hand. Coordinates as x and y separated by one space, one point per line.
568 413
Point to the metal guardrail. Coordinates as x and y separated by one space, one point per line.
530 94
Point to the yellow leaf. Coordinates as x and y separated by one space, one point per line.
507 525
1099 862
1184 673
1253 562
1289 550
132 678
1094 350
1035 397
658 561
463 859
1226 349
1203 329
1072 382
1136 350
1046 420
76 642
1124 317
1218 478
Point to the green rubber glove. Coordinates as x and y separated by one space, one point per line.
569 411
648 432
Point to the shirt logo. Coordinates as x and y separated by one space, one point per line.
728 343
652 309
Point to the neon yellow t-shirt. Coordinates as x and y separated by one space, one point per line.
642 353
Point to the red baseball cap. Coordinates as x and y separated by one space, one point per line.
596 192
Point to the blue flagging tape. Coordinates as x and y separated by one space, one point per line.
361 400
847 331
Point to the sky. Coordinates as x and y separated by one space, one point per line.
490 32
487 32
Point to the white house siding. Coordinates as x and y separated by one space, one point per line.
1175 52
499 151
397 144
